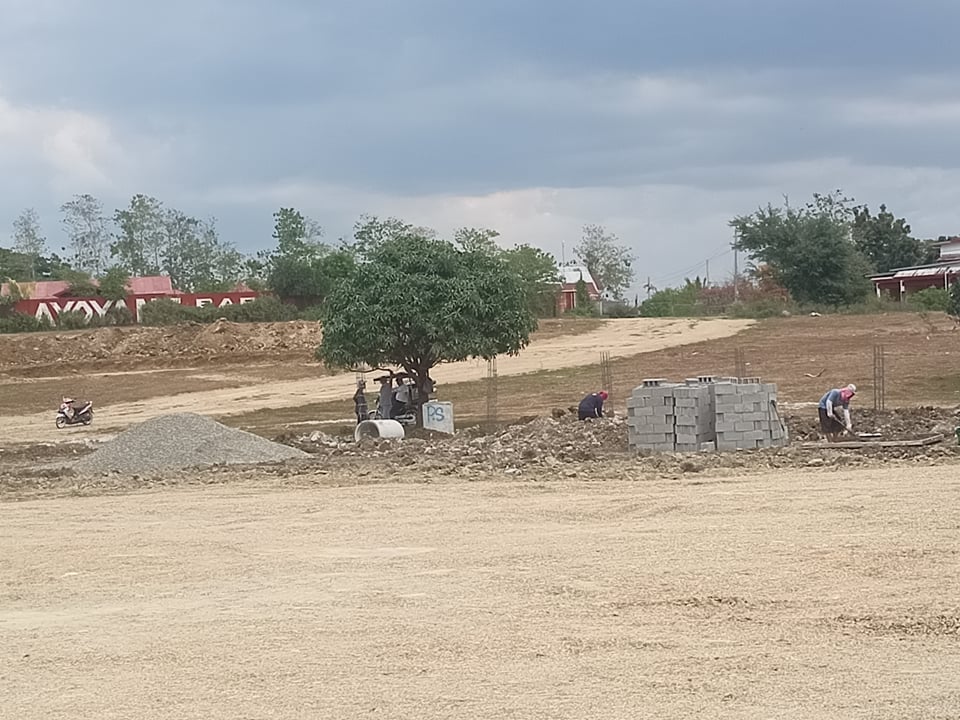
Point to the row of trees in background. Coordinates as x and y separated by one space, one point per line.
145 238
816 255
300 268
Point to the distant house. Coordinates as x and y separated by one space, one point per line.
571 275
147 287
900 282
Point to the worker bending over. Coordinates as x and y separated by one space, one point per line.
830 423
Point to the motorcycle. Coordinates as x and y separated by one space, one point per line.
81 416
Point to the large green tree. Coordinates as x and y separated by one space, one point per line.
87 233
414 302
535 269
140 241
884 239
538 275
808 249
609 262
297 236
194 256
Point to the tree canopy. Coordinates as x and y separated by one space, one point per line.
808 249
609 262
885 240
414 301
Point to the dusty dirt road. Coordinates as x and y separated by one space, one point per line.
619 337
792 595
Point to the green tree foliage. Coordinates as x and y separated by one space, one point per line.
301 268
885 240
141 239
610 263
414 302
87 233
953 304
808 249
537 274
535 269
194 256
297 236
674 302
28 239
113 284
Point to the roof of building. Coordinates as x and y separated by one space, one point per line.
572 274
52 289
919 271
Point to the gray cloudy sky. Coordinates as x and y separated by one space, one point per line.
660 119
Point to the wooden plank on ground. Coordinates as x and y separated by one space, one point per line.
854 445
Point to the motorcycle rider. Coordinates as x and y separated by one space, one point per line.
67 404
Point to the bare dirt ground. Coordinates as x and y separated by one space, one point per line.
279 375
820 593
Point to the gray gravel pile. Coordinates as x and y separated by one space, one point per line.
179 441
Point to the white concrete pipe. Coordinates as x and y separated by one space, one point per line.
385 429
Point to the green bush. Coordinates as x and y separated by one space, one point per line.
930 299
74 320
19 322
262 309
117 315
312 313
620 310
165 311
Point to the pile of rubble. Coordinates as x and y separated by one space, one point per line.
192 341
540 441
896 424
550 443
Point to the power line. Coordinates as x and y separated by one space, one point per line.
686 272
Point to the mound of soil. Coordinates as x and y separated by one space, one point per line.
135 345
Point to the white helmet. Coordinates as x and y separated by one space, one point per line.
852 388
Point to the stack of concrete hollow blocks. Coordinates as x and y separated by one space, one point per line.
704 413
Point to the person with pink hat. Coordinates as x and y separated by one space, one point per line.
830 423
592 405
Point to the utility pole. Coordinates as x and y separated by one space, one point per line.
563 253
706 279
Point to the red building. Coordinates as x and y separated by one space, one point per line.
901 282
571 275
48 298
146 287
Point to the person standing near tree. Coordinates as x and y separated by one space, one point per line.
360 402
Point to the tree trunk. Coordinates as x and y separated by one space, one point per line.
421 375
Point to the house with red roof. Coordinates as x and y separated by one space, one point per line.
571 275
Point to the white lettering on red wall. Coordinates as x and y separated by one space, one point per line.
90 307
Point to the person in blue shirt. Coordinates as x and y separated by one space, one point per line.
830 404
592 405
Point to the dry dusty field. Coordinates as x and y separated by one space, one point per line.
217 386
798 594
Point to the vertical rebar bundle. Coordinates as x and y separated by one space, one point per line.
606 373
879 378
740 365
